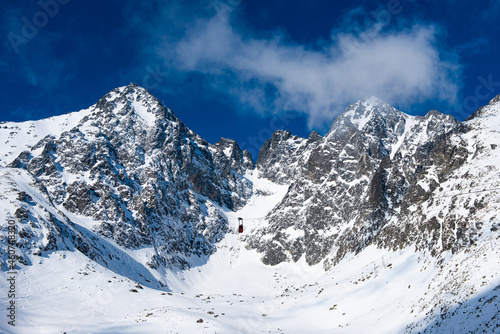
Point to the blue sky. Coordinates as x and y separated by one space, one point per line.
242 69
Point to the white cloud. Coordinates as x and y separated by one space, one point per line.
271 74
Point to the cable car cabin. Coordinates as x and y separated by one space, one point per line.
240 225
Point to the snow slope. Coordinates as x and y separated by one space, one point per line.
376 291
18 137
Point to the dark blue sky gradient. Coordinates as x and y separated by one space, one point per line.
83 49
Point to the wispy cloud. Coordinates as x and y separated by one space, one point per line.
273 73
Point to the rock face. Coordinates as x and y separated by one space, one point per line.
378 177
143 180
131 165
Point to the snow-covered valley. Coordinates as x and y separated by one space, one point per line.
232 291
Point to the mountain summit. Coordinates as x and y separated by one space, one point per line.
365 110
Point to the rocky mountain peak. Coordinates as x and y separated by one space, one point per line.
228 146
134 101
229 150
495 100
142 176
371 102
491 109
345 186
372 122
365 113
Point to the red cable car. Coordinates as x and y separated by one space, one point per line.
240 225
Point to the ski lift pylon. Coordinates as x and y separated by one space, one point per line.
240 225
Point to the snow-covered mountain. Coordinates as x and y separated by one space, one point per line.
123 194
348 185
136 171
